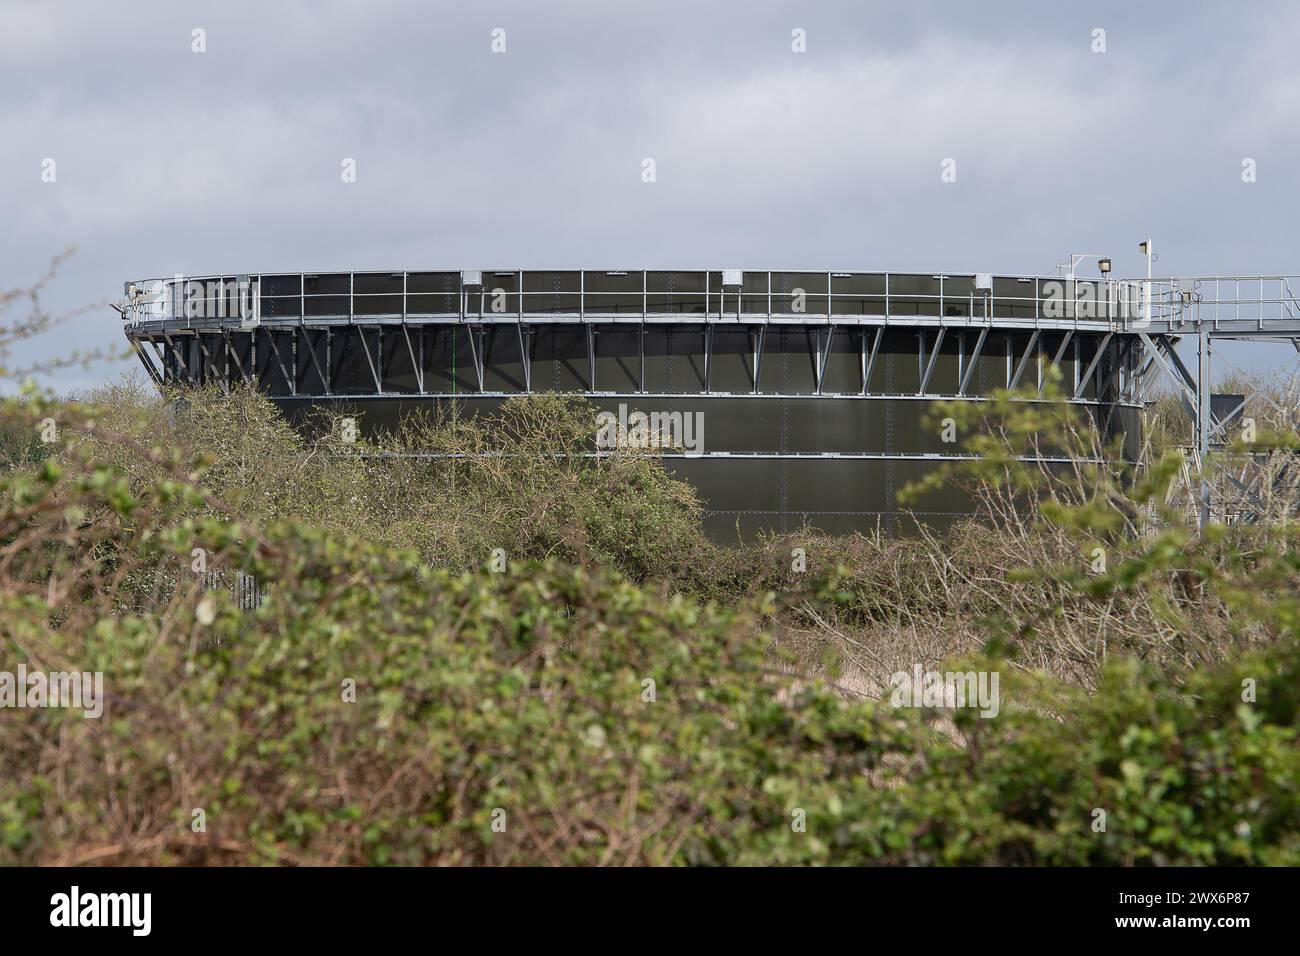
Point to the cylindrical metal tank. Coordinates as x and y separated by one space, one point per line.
801 394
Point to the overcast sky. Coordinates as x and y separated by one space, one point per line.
168 160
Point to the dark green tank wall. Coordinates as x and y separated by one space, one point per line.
773 459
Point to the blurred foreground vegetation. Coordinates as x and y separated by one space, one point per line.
624 691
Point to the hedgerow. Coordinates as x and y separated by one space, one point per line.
378 708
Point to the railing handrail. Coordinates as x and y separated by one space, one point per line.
713 294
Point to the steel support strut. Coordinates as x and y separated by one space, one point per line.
1203 420
147 363
973 362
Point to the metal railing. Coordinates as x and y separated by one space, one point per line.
710 295
1227 304
1238 304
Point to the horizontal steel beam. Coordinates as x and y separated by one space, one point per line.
180 326
678 397
672 454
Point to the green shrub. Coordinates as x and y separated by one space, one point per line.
525 693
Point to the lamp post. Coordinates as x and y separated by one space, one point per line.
1148 250
1103 263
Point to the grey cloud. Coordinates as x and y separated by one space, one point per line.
170 161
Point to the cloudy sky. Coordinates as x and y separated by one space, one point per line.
168 160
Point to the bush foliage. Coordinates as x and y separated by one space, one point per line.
625 692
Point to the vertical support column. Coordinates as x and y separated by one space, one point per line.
1107 350
708 356
863 359
871 359
1074 387
175 360
817 360
1126 374
526 360
972 363
961 356
1203 388
824 356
